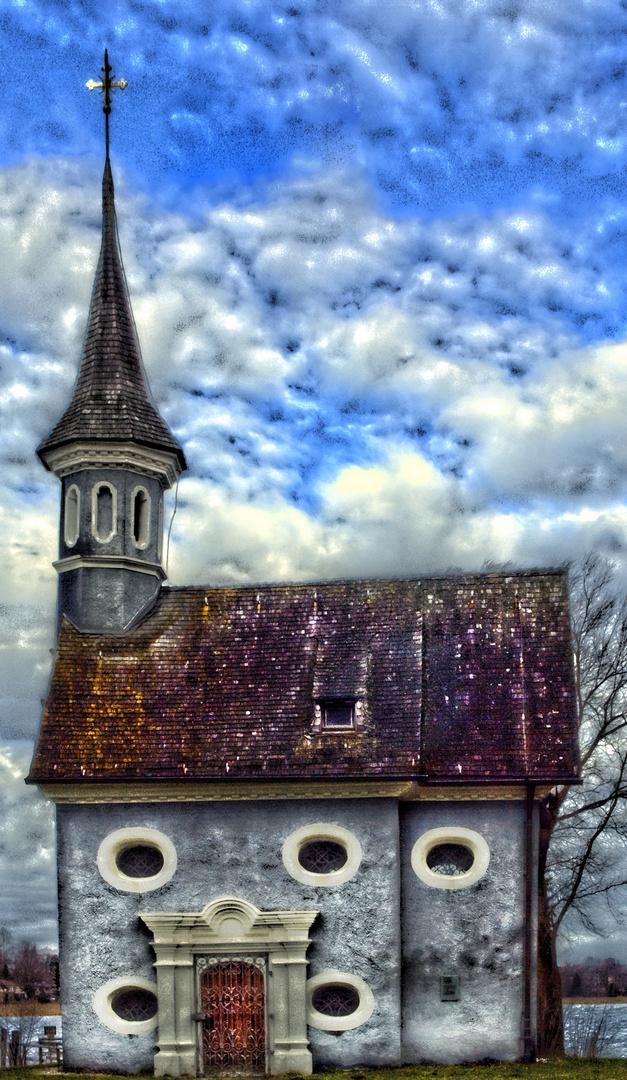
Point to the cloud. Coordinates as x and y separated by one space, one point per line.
26 636
299 333
443 105
400 517
27 853
559 437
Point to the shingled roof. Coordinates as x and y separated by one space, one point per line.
110 401
460 678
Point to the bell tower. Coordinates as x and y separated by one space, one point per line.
113 453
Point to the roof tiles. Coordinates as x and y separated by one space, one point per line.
460 678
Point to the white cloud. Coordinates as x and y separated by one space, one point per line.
27 853
400 516
300 333
559 435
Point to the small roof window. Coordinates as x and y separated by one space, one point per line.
338 713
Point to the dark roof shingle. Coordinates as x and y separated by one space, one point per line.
110 400
465 678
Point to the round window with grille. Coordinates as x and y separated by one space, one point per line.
335 1000
127 1005
137 860
322 856
451 859
140 861
338 1001
134 1004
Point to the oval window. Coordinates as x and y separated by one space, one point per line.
334 999
338 1001
141 517
103 512
128 1005
134 1004
451 859
71 520
137 860
140 861
322 856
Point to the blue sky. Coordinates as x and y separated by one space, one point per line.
376 253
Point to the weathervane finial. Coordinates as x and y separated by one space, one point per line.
106 85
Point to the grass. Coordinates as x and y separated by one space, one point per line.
30 1008
621 1000
560 1069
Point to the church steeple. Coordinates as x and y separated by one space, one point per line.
110 399
112 451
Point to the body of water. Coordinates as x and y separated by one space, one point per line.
32 1029
600 1027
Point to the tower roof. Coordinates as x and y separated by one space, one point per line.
110 402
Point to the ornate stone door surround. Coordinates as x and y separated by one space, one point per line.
230 925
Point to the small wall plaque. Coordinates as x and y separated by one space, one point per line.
449 988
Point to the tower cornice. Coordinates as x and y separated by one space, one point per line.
162 465
110 562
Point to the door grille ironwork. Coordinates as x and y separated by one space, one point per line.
232 997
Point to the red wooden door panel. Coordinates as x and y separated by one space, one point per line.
234 1032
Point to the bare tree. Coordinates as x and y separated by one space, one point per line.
583 829
33 969
22 1026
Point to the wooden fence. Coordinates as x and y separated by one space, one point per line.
14 1049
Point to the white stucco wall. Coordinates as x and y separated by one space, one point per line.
475 933
229 849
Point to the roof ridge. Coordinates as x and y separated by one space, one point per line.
473 575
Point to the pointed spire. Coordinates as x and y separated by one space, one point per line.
110 402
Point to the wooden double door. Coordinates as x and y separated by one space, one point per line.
232 998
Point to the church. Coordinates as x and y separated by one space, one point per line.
297 823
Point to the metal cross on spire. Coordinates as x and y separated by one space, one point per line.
106 85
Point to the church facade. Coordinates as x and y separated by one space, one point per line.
297 823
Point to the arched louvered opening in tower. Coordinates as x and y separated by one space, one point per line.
140 515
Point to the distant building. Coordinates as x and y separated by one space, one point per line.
297 824
10 991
